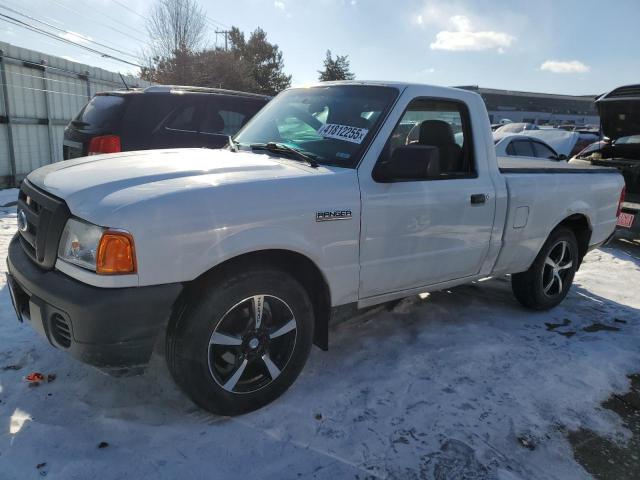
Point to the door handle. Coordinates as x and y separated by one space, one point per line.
478 198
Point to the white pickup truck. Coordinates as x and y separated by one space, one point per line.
333 195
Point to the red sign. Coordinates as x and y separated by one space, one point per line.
625 220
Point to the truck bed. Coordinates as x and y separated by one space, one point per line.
537 165
537 202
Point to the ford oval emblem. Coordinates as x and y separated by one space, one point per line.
23 226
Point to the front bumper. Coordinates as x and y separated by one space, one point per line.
111 328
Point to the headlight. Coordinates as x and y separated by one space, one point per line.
79 243
102 250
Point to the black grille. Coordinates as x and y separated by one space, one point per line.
45 217
60 330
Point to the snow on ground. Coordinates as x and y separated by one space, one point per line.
461 384
8 196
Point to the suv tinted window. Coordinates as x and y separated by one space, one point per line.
162 119
233 121
222 122
183 118
102 111
225 115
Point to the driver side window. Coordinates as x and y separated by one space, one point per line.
443 125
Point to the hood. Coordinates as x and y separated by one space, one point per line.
114 180
620 112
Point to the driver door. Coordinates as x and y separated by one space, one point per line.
424 232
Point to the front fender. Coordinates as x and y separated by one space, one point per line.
333 249
337 261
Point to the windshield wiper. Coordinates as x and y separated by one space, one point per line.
284 148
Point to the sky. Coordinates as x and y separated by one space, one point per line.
572 46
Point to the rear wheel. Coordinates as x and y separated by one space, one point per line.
549 278
244 343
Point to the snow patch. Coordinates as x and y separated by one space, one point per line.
459 383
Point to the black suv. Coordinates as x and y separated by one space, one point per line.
159 117
620 122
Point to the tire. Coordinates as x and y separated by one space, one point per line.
549 278
227 356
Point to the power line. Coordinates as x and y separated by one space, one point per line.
212 22
83 37
118 21
28 26
126 7
215 23
93 19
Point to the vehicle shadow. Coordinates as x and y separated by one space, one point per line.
625 248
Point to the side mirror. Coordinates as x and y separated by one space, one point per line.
409 162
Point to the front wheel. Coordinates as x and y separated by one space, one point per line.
549 278
243 343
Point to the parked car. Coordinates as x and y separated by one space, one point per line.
525 146
516 127
620 117
563 142
592 147
239 257
158 117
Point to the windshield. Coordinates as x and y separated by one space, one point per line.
333 123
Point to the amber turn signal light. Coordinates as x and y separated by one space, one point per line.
116 253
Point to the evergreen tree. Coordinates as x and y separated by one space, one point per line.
337 69
264 59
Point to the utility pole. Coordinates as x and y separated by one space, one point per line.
226 37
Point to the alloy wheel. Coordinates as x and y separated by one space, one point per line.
557 267
252 344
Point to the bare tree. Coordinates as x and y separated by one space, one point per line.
177 54
176 27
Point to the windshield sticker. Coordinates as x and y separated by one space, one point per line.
343 155
343 132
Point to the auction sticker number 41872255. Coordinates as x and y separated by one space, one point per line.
343 132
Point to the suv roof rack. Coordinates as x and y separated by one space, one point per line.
190 89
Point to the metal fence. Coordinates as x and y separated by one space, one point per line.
40 94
